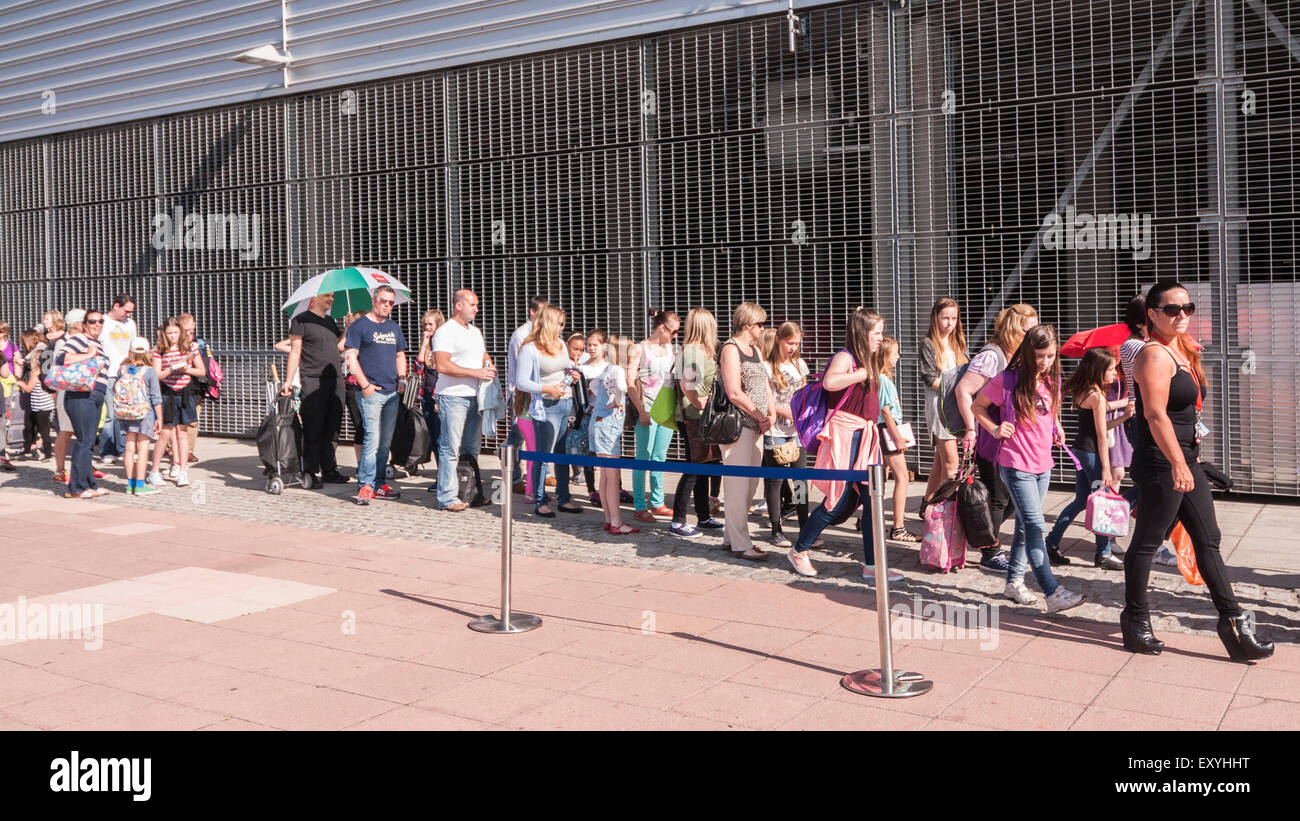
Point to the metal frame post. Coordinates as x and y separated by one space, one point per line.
885 682
508 622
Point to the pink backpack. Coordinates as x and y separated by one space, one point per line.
943 547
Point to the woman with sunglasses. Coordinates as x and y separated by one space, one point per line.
1170 388
83 407
651 372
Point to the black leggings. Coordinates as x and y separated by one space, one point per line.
1159 506
687 486
777 492
38 422
999 497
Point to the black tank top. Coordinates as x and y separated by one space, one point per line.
1086 437
1183 393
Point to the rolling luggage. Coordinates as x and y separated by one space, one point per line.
279 442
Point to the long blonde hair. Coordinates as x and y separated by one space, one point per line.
772 351
702 330
1009 327
546 331
888 347
438 320
183 340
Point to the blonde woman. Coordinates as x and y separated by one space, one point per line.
608 412
1009 331
58 334
943 349
427 374
696 369
547 373
745 380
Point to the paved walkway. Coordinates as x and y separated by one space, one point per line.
225 607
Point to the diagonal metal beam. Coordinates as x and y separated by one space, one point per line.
1277 27
1102 142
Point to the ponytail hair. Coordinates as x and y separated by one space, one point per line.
659 316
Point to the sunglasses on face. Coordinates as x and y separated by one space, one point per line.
94 322
1172 311
385 301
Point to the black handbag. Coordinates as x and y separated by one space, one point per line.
720 419
973 508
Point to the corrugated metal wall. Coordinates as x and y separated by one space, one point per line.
894 156
69 64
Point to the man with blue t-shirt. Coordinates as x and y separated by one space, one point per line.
376 352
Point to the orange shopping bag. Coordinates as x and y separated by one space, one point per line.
1186 556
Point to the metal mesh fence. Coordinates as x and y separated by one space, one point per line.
885 154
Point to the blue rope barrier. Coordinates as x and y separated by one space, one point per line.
861 476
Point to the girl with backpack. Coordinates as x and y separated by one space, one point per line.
1087 389
1028 396
39 401
1009 330
177 362
140 432
943 349
852 442
608 412
786 373
891 416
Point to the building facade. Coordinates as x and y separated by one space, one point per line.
1061 153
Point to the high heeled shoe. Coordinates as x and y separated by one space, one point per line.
1238 637
1138 637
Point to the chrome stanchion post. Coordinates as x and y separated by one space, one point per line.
886 682
508 622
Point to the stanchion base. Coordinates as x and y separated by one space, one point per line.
519 623
870 683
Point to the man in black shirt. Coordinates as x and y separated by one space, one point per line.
314 356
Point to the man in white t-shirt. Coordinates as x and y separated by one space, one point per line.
115 340
461 357
517 338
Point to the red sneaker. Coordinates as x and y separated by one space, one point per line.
99 474
364 495
387 493
59 477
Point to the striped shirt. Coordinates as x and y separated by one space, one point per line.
80 343
42 399
172 358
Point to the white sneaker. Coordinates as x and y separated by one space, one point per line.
869 574
155 479
1063 599
173 472
1166 555
801 564
182 478
1018 593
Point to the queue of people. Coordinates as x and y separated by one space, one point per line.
88 383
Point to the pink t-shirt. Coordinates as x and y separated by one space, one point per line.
1030 448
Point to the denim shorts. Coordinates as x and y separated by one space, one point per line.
605 435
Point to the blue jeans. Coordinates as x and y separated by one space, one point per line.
112 442
378 417
459 418
83 410
821 518
1027 493
550 437
1085 482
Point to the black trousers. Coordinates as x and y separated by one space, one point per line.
778 494
691 485
38 422
1159 507
999 497
322 416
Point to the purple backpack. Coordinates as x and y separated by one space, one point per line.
810 409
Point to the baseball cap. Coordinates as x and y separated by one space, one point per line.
74 316
140 345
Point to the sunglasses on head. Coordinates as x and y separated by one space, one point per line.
1172 311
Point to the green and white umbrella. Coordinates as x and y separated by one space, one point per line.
351 288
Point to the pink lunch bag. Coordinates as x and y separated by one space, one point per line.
943 547
1108 514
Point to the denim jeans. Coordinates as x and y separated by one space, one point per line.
111 441
550 437
1027 493
459 418
379 417
1085 482
82 408
853 496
